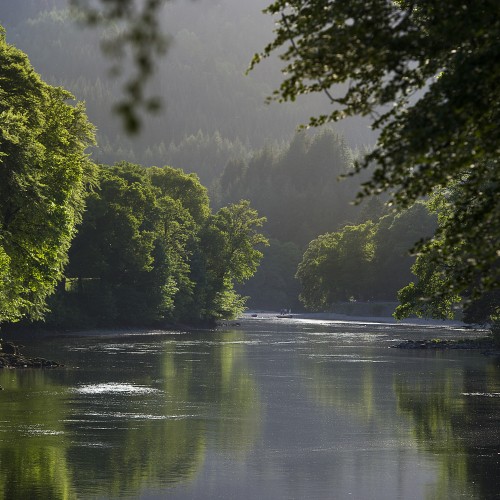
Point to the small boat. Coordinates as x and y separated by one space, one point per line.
284 316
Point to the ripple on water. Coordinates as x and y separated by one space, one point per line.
482 394
107 415
118 348
91 444
38 430
115 388
346 358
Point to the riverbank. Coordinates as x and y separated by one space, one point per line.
11 357
485 344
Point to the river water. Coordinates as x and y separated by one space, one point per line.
269 409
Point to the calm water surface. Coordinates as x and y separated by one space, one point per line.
272 409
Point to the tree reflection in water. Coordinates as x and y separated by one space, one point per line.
60 443
456 417
33 443
453 408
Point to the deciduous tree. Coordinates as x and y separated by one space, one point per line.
44 173
230 255
336 266
428 74
451 261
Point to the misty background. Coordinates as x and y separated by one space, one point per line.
215 122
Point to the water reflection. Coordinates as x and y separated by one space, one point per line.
350 382
216 380
33 441
456 416
448 404
276 410
77 433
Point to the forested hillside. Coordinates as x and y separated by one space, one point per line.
118 245
297 185
214 123
201 81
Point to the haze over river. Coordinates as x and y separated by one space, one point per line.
270 409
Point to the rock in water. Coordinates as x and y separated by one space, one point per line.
10 357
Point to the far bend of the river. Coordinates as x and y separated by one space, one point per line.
270 409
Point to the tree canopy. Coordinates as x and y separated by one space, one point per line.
150 251
44 175
368 261
428 74
439 271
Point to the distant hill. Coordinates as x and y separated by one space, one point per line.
201 80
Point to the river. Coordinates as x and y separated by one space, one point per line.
266 409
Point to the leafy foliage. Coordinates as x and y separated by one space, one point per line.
150 251
457 255
44 175
427 72
229 240
369 261
335 266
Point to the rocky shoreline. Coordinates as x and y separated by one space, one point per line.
11 357
485 344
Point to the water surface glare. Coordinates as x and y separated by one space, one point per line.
269 409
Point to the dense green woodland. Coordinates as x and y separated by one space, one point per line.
144 253
45 175
149 249
376 253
